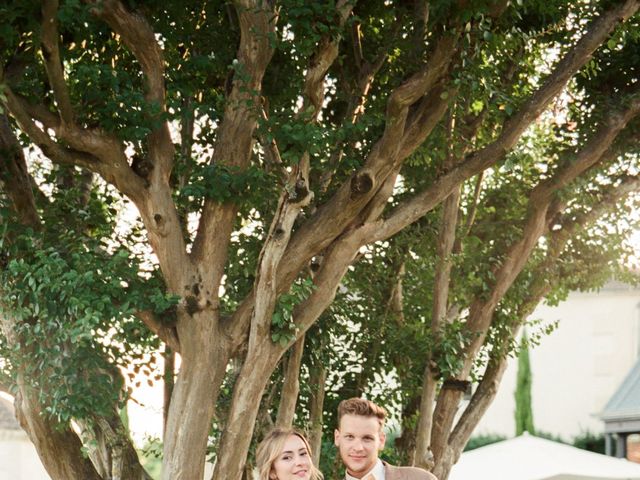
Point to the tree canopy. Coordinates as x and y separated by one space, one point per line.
303 200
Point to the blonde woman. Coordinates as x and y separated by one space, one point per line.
284 454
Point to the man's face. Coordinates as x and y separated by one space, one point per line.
359 439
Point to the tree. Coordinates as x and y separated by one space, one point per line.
524 410
272 151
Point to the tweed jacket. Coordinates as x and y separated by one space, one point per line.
406 473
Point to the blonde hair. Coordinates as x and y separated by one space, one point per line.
271 447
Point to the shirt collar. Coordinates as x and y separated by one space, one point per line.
377 471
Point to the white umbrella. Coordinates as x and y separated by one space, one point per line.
532 458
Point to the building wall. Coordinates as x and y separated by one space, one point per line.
18 458
578 367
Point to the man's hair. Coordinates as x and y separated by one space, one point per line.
362 408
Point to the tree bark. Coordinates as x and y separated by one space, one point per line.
317 381
169 358
479 404
290 385
57 445
202 371
14 176
444 249
111 449
238 431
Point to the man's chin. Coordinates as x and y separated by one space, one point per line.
356 469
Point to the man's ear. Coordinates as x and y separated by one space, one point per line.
383 438
336 437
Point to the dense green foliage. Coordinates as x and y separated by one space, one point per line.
78 281
84 284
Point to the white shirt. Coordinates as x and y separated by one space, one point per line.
377 471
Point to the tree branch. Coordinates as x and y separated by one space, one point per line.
266 291
591 154
444 249
14 177
89 149
235 134
317 379
321 62
137 35
290 385
356 107
537 222
266 281
513 128
540 200
331 219
545 276
52 60
471 214
164 332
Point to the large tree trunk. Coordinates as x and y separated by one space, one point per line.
58 447
479 404
317 380
202 371
290 385
245 404
110 448
406 443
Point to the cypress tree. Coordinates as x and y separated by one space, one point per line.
524 410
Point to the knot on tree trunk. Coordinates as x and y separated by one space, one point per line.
142 167
455 384
191 305
316 263
278 232
300 192
361 184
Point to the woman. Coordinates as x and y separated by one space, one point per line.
284 454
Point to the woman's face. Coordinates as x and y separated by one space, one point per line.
294 462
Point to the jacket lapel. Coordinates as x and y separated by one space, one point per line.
390 472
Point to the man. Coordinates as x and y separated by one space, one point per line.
360 436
